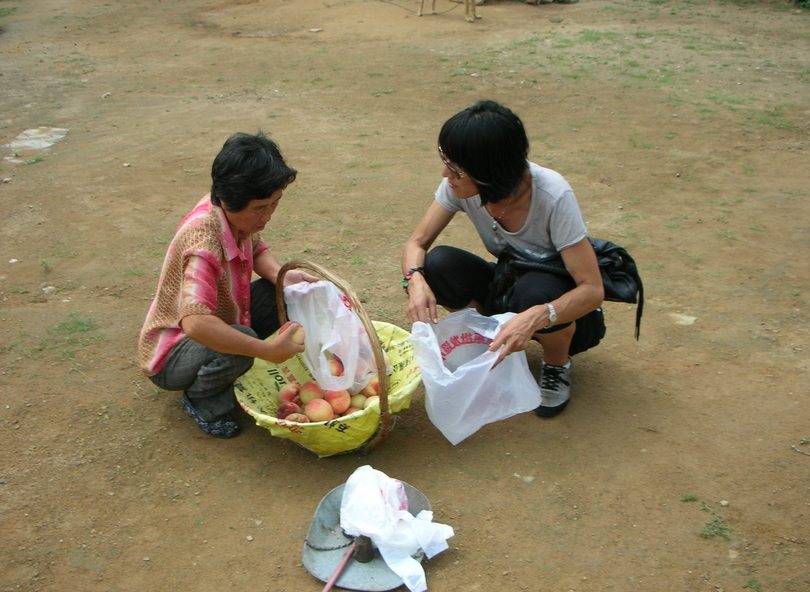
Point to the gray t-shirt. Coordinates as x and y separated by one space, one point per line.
554 221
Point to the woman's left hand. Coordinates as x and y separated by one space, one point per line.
515 335
296 275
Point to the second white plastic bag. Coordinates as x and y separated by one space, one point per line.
462 391
376 505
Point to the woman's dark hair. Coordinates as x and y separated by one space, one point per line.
248 167
489 142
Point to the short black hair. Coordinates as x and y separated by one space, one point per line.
489 142
248 167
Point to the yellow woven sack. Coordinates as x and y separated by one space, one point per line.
257 392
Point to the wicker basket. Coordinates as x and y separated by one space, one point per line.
257 390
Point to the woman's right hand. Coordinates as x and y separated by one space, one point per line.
283 346
421 301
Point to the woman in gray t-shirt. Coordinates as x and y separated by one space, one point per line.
517 204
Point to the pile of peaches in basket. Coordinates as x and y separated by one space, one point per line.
308 402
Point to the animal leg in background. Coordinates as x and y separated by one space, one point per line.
469 11
422 7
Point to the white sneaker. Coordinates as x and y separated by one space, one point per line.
555 389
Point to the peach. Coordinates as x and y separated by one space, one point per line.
299 335
339 400
290 393
319 410
351 410
309 391
358 400
297 418
286 409
370 401
335 364
373 387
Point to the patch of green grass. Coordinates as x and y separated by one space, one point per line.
730 102
775 117
722 202
689 498
344 248
728 235
61 251
753 585
69 329
741 2
626 217
593 36
640 144
67 336
716 526
677 222
7 11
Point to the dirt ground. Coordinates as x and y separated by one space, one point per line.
683 461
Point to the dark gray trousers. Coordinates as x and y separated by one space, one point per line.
205 376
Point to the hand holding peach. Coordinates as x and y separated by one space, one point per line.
298 334
283 345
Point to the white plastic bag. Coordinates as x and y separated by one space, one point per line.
376 506
462 393
332 328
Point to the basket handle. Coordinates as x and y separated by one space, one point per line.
374 340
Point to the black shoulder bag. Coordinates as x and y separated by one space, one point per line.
619 275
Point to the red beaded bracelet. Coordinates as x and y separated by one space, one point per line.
409 274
